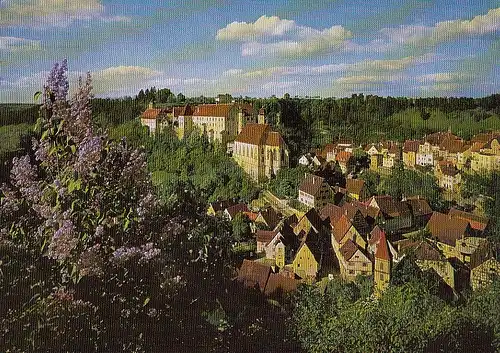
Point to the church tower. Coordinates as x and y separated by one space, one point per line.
382 272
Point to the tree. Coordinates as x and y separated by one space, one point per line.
181 98
241 227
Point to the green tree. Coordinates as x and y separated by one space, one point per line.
241 227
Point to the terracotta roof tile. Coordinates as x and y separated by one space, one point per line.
279 283
254 134
382 249
449 170
187 110
419 207
217 110
340 228
153 113
476 222
331 212
238 208
265 236
375 235
355 186
422 250
446 228
311 184
348 250
343 156
274 139
252 274
411 145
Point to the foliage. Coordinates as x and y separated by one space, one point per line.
372 180
287 181
90 261
408 318
405 182
241 227
194 161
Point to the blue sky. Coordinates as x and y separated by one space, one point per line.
255 47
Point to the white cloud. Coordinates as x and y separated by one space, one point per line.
14 44
52 13
445 31
364 79
263 27
443 77
259 38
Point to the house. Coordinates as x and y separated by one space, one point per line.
427 257
472 251
232 211
314 191
154 118
478 224
449 178
278 284
264 237
268 217
217 207
484 274
344 158
446 231
393 215
410 150
392 156
375 237
488 157
353 261
309 221
344 230
309 256
282 246
420 210
260 151
220 122
253 274
356 188
306 159
376 161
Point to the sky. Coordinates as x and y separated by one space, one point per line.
257 48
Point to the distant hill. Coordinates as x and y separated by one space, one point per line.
11 114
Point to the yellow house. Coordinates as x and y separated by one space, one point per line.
488 157
483 275
260 152
428 257
342 231
410 149
356 188
308 258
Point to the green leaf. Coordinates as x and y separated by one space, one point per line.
146 301
126 224
43 245
44 135
73 149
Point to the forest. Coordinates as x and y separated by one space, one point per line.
105 245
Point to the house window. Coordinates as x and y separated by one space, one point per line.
381 277
351 272
364 264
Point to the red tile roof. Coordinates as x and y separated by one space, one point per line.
355 186
476 222
343 156
253 274
265 236
449 170
340 228
274 139
251 215
153 113
375 235
279 283
411 145
311 184
382 248
446 228
419 207
187 110
254 134
217 110
238 208
330 211
348 250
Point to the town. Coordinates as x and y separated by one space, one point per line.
338 227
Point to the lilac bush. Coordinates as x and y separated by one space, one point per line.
83 196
